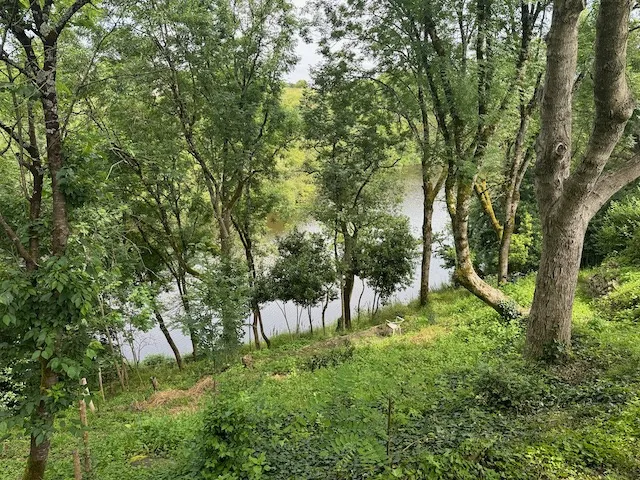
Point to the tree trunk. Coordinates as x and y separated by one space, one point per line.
568 198
549 332
324 312
261 325
225 225
39 452
427 247
347 292
458 204
167 335
184 298
256 322
505 245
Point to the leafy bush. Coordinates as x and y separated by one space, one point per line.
330 358
623 303
157 360
505 387
620 231
228 438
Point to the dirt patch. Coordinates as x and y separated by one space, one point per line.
427 335
179 400
345 340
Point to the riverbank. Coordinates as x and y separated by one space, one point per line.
449 398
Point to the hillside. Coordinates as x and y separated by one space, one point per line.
449 398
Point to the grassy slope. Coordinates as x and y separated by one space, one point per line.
464 406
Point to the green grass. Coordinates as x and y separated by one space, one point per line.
464 404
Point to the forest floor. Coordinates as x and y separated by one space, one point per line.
451 397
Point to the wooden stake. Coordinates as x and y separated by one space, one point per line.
77 470
100 383
85 432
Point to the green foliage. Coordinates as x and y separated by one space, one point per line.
388 254
304 272
223 297
330 358
157 360
46 322
620 230
229 437
623 303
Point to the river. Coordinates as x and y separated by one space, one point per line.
274 320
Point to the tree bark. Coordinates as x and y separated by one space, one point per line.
549 332
39 452
167 336
348 277
458 204
347 291
568 199
430 191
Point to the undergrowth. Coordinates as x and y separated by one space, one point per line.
451 398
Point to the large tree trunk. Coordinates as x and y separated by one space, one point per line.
549 332
568 198
167 336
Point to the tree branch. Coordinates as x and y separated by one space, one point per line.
16 241
30 149
66 16
614 104
610 182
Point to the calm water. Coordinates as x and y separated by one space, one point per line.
274 320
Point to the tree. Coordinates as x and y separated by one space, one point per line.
166 216
304 272
217 68
354 141
46 293
390 35
387 257
571 192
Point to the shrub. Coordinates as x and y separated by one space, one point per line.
228 439
162 436
157 360
623 304
620 232
330 358
506 387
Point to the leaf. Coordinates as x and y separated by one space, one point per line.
36 355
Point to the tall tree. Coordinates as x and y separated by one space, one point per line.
354 141
218 68
390 36
31 32
570 192
474 68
